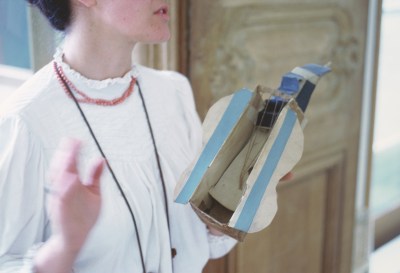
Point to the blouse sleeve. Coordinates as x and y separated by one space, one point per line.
193 123
218 245
22 177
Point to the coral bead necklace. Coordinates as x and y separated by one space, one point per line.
85 98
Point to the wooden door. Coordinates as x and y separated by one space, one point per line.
242 43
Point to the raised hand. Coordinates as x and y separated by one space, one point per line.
74 205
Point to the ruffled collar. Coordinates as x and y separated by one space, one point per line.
94 84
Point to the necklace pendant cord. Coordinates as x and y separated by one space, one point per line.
69 92
173 250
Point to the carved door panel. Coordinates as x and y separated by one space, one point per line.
242 43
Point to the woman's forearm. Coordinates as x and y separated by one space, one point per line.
55 256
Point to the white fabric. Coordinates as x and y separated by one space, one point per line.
39 115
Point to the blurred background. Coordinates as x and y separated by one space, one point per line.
341 212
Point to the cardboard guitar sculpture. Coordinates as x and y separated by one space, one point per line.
253 140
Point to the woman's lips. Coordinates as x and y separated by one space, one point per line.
163 12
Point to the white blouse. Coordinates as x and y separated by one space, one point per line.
39 115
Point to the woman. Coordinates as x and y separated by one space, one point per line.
115 214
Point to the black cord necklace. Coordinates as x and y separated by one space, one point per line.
68 89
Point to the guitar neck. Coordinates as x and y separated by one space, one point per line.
298 84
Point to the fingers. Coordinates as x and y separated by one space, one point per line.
69 149
64 167
214 231
67 181
287 176
95 172
65 158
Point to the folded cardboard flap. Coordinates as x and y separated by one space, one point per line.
231 147
280 153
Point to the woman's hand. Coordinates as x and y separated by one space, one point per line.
287 176
74 207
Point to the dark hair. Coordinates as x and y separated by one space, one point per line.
58 12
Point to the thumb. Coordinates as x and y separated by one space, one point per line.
96 170
287 176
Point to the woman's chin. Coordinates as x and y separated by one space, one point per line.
162 37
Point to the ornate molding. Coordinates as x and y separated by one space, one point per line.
242 54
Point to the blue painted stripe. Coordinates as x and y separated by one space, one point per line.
290 83
236 107
317 69
253 201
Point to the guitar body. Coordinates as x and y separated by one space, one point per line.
252 140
